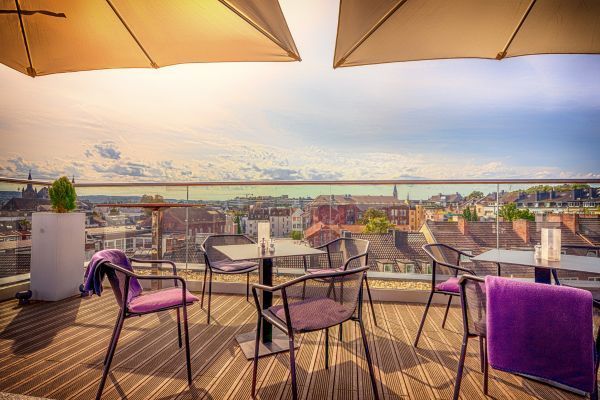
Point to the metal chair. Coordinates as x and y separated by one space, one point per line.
446 258
344 254
472 299
161 300
216 262
579 250
474 312
311 303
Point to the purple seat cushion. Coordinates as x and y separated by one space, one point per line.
541 330
160 299
232 266
323 271
449 285
313 314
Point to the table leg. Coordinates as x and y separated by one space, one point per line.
543 275
273 340
266 278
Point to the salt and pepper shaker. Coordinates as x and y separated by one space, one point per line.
263 246
272 246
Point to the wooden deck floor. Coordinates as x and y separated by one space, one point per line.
55 350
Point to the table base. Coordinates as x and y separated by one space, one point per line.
278 344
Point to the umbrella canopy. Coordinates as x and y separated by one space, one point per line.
40 37
382 31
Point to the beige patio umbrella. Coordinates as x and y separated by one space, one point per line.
383 31
40 37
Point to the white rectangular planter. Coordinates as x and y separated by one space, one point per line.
57 255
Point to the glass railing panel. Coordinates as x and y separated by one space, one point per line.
17 204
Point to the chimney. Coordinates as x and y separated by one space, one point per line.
463 226
400 239
345 234
571 222
521 228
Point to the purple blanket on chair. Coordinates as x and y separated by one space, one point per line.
94 274
541 330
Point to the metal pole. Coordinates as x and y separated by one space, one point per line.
497 216
187 226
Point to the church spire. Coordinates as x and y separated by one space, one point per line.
29 177
395 192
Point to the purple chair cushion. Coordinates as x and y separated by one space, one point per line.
323 271
232 266
541 330
313 314
158 300
449 285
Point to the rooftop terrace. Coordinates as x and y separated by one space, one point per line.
55 350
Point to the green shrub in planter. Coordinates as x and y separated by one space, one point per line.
62 195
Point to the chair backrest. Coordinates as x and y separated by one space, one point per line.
444 258
119 279
473 303
221 240
349 253
342 290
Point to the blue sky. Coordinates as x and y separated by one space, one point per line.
535 116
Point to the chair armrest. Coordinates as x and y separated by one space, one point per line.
470 277
139 261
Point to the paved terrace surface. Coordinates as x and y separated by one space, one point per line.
55 350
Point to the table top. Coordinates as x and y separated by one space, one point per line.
241 252
527 259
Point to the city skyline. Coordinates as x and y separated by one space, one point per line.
528 117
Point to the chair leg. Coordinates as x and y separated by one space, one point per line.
112 338
247 285
203 287
423 319
109 355
179 327
369 361
481 353
485 370
340 333
461 365
446 313
209 298
187 345
371 301
327 348
293 367
255 367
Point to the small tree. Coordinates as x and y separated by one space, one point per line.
148 198
238 224
370 214
510 212
474 216
378 225
467 214
474 195
296 235
62 195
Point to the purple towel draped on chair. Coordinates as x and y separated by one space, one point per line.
94 275
541 330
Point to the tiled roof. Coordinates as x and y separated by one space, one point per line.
383 246
481 236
